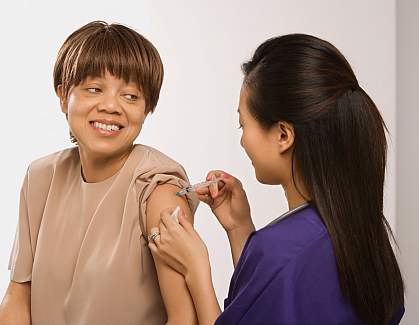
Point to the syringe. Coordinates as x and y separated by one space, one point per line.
193 188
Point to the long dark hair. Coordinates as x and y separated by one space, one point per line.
340 154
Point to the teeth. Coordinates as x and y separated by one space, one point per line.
106 127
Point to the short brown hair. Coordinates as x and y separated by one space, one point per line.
99 46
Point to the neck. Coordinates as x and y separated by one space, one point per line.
295 197
97 168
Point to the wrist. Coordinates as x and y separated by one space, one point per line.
198 274
242 230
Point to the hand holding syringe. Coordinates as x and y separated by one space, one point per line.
227 199
212 184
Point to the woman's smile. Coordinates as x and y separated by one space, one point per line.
107 127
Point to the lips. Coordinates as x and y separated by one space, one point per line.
107 126
108 122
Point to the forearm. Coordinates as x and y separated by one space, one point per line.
177 300
203 295
178 303
15 307
237 238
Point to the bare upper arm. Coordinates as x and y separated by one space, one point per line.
16 305
175 293
21 291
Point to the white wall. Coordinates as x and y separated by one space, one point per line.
202 44
408 152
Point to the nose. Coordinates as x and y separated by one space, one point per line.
109 104
241 141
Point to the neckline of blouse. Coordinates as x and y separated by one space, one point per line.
288 213
109 179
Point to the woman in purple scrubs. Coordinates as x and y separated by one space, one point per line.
310 127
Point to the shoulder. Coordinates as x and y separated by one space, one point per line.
300 228
153 161
155 168
289 240
293 247
154 155
41 172
47 165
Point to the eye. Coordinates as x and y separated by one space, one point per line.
93 90
131 97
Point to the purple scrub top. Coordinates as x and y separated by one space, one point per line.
287 275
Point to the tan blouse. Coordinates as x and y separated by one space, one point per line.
81 244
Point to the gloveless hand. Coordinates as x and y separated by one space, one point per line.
228 201
179 245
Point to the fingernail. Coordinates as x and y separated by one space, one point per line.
225 175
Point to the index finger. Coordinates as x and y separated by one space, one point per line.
214 173
168 219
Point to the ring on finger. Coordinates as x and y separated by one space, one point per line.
153 236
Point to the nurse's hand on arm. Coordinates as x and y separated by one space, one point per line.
230 205
180 246
15 308
177 299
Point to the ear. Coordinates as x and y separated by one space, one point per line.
285 136
63 101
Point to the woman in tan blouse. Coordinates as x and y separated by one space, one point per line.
80 254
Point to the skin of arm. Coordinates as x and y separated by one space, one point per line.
202 290
15 308
229 203
177 299
237 238
182 248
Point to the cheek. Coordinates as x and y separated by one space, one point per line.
76 107
136 114
247 141
136 118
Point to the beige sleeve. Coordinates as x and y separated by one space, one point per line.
147 181
21 257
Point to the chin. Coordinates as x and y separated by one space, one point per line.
260 178
265 181
106 149
266 178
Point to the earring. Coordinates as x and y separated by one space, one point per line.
73 138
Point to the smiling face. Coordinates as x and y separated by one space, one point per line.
270 150
105 114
